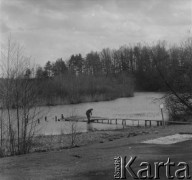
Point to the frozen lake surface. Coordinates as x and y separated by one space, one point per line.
144 105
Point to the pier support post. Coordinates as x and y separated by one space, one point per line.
116 121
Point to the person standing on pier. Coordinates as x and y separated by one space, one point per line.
88 114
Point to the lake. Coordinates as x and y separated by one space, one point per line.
144 105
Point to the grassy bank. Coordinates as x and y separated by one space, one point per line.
44 143
63 141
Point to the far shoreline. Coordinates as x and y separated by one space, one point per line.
88 100
102 100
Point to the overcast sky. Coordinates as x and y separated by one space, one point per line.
50 29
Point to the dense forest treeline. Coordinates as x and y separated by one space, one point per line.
140 60
113 73
108 74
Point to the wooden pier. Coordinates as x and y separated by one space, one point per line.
118 121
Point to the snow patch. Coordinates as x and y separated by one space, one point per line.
170 139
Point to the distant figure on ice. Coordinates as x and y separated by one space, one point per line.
89 113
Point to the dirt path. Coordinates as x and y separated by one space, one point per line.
95 161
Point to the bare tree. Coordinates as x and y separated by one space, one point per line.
18 94
178 80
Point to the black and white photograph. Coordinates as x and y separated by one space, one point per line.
95 89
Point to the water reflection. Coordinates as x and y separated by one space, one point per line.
90 127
